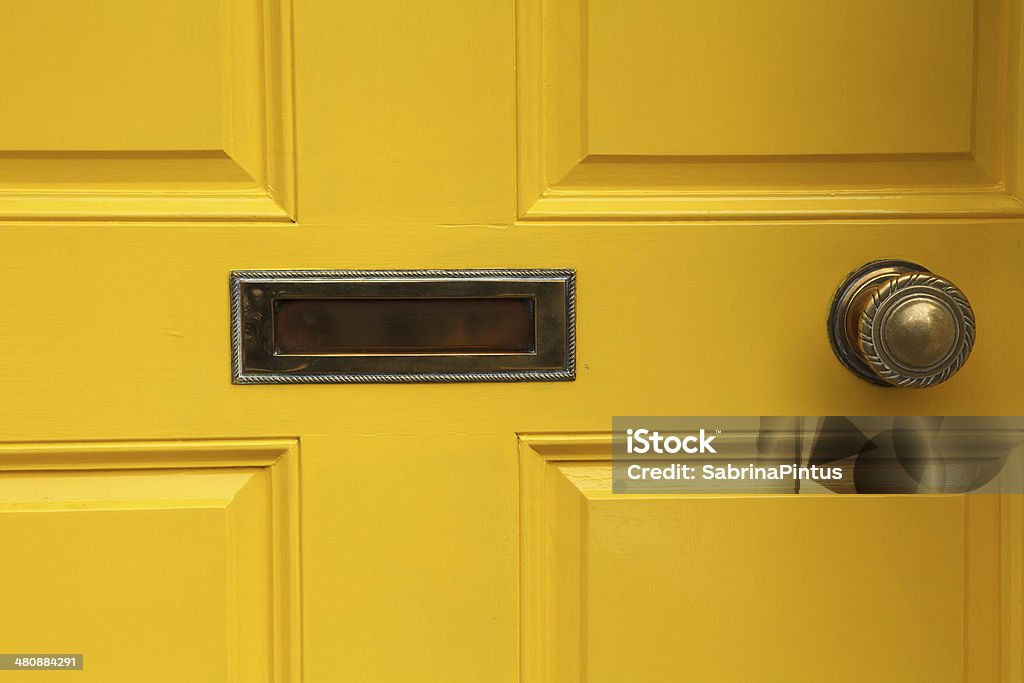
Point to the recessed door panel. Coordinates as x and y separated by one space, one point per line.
732 587
131 554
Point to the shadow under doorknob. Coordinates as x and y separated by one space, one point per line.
896 323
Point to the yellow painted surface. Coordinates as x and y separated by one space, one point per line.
796 77
852 109
119 110
111 75
157 561
752 587
426 136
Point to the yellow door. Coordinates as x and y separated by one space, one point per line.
710 170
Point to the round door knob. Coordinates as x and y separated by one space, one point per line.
895 323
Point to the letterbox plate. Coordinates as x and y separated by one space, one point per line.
370 326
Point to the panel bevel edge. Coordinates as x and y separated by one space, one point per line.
1014 108
530 176
568 446
279 99
242 207
556 206
1012 573
287 571
536 454
158 454
532 567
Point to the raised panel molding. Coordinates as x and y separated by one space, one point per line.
598 137
120 114
641 586
158 561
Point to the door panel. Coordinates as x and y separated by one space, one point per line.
154 561
125 111
767 109
733 587
734 78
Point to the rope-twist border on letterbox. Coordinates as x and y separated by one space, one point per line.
254 361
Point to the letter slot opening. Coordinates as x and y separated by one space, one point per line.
403 326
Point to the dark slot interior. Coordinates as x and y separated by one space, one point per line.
396 326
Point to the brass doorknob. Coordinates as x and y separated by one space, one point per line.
895 323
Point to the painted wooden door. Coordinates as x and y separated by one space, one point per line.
711 170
